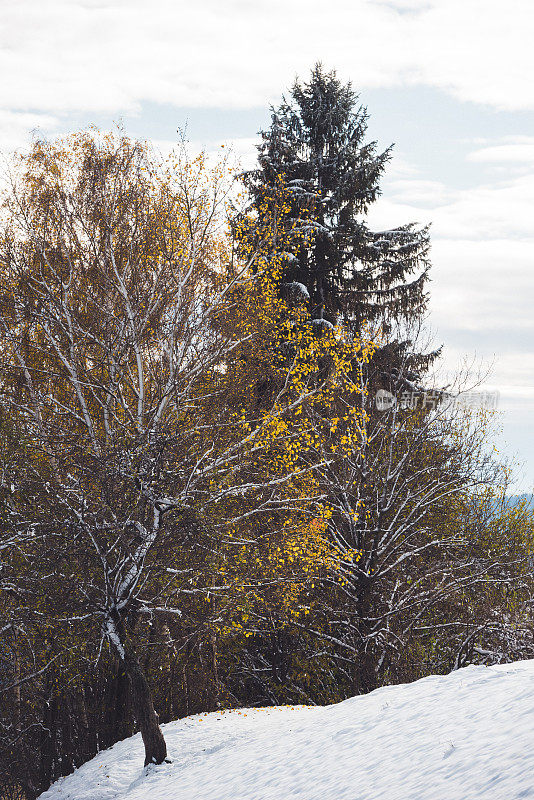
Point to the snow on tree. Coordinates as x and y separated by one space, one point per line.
134 347
315 152
400 502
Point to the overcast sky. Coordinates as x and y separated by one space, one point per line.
451 82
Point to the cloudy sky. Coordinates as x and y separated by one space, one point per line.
450 82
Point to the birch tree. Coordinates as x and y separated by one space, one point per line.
128 328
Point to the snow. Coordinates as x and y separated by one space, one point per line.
296 289
113 636
466 735
322 323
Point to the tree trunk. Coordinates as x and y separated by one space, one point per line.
16 679
121 703
145 714
68 748
87 745
170 663
364 677
213 638
143 707
48 741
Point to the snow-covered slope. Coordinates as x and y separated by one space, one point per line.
463 736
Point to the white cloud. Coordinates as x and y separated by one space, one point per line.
420 193
483 265
498 210
83 55
481 51
483 286
17 128
510 150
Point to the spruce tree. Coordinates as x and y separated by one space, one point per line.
315 150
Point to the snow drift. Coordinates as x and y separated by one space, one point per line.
457 737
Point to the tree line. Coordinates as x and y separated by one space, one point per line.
203 502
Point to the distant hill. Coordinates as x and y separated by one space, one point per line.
515 499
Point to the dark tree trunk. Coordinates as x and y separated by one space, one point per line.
143 707
122 727
364 678
16 678
67 734
88 742
364 674
215 670
48 742
170 664
145 713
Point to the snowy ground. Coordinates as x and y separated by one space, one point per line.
467 735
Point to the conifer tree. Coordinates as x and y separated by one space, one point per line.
315 150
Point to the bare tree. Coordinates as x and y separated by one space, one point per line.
399 505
